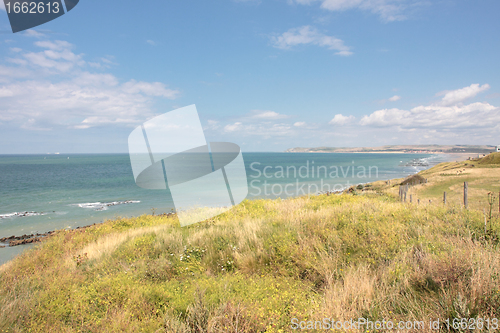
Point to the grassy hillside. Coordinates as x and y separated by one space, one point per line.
490 159
263 263
482 176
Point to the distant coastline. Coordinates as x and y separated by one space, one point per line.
401 149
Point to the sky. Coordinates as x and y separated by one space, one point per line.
267 75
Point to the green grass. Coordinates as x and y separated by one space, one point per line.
256 267
437 189
493 158
449 177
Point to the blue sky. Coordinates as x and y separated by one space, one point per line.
267 75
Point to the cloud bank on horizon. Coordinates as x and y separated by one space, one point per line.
448 118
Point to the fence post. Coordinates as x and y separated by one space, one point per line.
418 201
466 199
444 198
411 198
405 196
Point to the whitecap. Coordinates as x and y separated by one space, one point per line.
100 206
21 214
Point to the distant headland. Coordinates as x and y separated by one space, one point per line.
422 149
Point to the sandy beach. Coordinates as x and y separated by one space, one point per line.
464 156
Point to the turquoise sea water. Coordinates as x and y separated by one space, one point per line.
66 191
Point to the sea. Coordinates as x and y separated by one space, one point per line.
41 193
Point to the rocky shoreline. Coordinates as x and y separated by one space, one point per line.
36 238
24 239
29 239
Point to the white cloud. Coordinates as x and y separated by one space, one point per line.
310 35
150 89
8 73
108 60
394 98
52 88
460 95
474 123
58 45
17 61
68 103
15 49
258 124
151 42
448 114
387 10
302 2
475 116
57 55
340 4
94 64
340 119
32 125
105 62
386 117
212 125
92 79
233 127
5 92
267 115
263 130
33 33
262 124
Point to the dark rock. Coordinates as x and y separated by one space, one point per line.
3 240
25 241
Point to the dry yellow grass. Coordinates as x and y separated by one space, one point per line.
109 243
450 177
258 266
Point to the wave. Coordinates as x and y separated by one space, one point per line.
21 214
99 206
417 162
